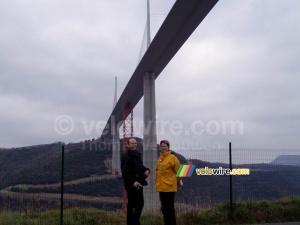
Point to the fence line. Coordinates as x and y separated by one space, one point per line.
65 177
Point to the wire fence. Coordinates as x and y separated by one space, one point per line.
37 179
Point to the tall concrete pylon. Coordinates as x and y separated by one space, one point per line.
150 142
116 97
116 164
150 139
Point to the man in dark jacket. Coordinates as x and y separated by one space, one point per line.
134 175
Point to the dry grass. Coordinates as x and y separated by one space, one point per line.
284 210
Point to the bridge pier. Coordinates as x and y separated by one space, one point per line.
116 164
151 198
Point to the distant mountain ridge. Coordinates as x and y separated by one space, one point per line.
292 160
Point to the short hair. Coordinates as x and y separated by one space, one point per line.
131 138
165 142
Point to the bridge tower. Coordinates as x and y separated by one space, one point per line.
127 133
150 138
116 165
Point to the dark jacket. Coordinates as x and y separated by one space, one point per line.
133 169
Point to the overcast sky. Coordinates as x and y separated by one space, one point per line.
236 79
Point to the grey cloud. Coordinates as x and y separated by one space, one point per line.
58 58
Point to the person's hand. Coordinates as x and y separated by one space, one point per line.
147 173
180 184
136 184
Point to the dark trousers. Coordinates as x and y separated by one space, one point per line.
135 206
167 207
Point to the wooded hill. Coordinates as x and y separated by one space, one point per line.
35 172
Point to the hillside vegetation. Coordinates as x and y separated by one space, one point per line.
284 210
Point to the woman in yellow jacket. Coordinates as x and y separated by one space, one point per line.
166 181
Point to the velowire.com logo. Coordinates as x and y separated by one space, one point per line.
187 171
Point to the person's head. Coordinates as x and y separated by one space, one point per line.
132 144
164 145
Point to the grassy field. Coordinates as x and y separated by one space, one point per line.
284 210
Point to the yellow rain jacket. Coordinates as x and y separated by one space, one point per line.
166 170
